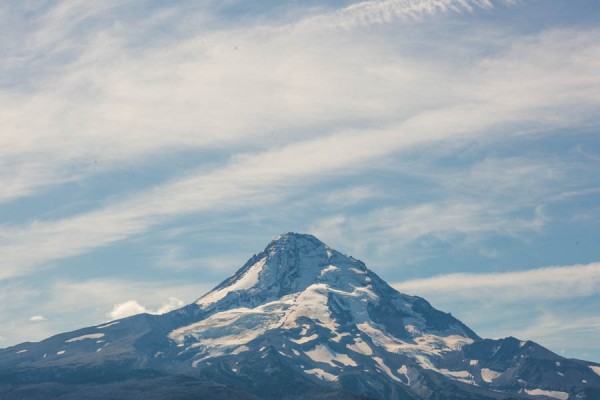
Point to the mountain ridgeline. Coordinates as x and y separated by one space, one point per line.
298 321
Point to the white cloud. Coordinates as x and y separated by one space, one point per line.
172 304
541 283
37 318
132 307
126 309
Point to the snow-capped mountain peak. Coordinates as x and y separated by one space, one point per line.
318 301
289 264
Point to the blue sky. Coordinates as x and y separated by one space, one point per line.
149 148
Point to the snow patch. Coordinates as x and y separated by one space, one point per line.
548 393
84 337
360 347
60 352
330 268
323 354
240 349
356 270
424 343
454 342
386 369
339 336
557 363
595 368
304 330
473 362
305 339
489 375
319 373
211 355
107 325
21 351
456 374
404 371
246 281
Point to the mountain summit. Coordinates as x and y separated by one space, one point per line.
298 320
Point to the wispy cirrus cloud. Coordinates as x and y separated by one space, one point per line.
540 283
251 178
385 11
114 95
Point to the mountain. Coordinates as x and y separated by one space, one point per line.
298 321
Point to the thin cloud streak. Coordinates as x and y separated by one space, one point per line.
549 283
385 11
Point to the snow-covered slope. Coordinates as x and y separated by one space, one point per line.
302 318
